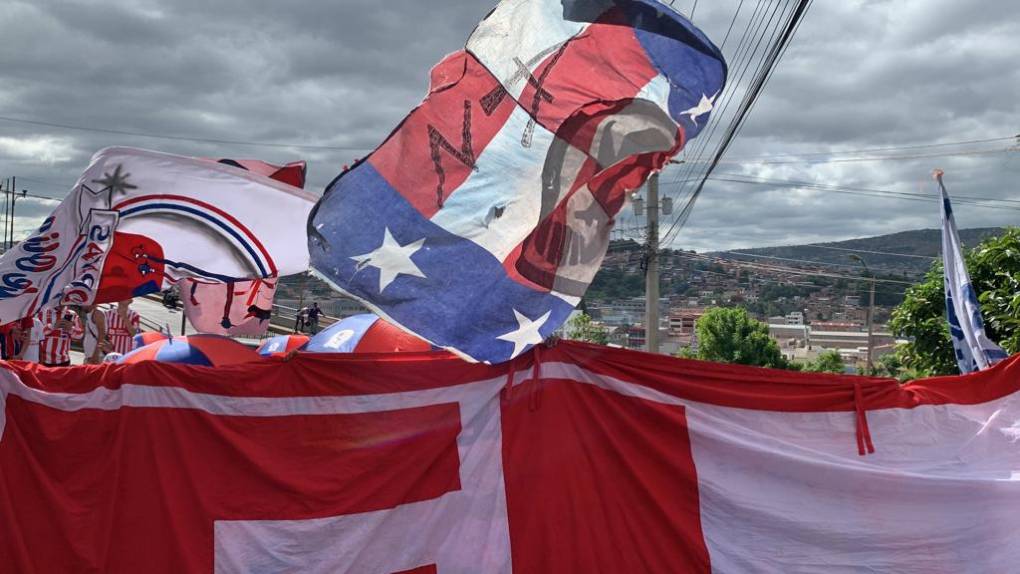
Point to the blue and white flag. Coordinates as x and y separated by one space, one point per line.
480 222
974 351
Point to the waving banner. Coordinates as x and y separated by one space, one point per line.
974 350
589 460
237 309
137 219
482 219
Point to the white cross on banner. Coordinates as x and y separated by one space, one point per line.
574 459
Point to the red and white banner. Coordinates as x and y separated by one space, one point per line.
237 308
137 220
593 460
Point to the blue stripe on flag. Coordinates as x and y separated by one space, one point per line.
463 282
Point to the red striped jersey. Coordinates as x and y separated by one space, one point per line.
120 330
55 347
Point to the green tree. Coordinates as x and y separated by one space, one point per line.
730 335
826 362
582 328
994 268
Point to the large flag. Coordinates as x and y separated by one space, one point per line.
137 219
479 223
238 308
974 350
591 460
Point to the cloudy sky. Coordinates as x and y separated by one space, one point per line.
336 76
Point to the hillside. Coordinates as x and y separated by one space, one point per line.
920 242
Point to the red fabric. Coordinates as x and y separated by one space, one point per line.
55 347
121 334
383 337
595 480
133 268
590 457
410 143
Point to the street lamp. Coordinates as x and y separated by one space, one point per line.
871 308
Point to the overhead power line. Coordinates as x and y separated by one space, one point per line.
875 149
767 64
988 202
788 270
182 138
871 251
810 262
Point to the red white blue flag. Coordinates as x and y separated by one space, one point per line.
479 223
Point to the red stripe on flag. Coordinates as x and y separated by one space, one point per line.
433 151
141 487
576 76
599 482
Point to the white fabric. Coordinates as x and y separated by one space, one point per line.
974 351
535 25
31 353
781 489
206 216
91 338
341 544
204 304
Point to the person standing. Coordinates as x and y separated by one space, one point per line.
313 318
60 325
31 339
122 324
300 319
95 342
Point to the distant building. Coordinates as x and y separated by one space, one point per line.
837 325
794 318
789 336
682 321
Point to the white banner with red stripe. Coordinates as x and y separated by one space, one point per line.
571 459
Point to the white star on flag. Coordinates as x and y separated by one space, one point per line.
391 259
703 107
526 332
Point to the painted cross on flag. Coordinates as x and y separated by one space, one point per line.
479 223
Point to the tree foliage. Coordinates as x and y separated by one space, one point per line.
994 268
582 328
730 335
826 362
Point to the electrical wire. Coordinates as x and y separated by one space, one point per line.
871 251
182 138
990 203
767 65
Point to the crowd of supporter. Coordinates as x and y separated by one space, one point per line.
47 336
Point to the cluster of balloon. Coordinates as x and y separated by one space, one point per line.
201 349
358 334
365 334
282 345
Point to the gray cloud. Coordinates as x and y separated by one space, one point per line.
859 74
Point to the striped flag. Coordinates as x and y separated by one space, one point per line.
974 350
575 459
479 223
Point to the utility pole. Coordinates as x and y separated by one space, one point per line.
652 267
7 210
12 190
871 311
